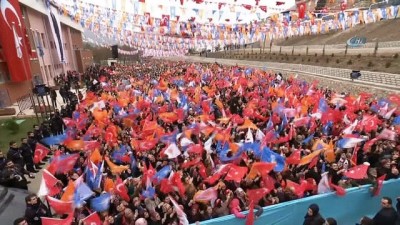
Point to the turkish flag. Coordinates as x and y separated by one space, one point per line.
263 8
64 163
92 219
69 122
343 6
176 182
357 172
121 190
236 173
91 145
257 194
378 189
296 188
294 158
278 3
339 190
301 8
248 7
40 152
164 21
250 216
13 41
60 207
48 185
55 221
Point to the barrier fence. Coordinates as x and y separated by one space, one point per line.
347 210
24 102
384 80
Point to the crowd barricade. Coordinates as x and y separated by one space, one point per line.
347 210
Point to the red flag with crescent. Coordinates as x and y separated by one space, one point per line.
13 41
40 152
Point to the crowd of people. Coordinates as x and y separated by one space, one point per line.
176 143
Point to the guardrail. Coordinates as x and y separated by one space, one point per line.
348 210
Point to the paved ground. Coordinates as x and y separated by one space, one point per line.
335 83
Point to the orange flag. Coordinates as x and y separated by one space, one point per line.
108 185
248 124
260 168
69 192
307 159
115 169
96 156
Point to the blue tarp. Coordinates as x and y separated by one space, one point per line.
347 210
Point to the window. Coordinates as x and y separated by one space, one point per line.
39 39
43 39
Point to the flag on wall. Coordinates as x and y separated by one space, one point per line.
56 31
13 41
301 8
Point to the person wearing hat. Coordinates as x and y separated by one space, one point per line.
313 217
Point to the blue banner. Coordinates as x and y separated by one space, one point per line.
347 210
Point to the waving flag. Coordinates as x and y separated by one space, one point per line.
101 203
357 172
64 163
208 195
48 185
179 212
260 168
257 194
236 173
60 207
388 135
172 151
163 173
40 153
92 219
349 142
272 157
82 193
250 215
378 189
121 189
294 158
396 121
54 140
308 158
55 221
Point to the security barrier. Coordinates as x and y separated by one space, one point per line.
347 210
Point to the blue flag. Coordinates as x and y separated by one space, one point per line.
101 203
163 173
54 140
322 106
82 193
396 121
308 139
270 156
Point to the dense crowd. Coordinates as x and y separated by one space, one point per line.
162 142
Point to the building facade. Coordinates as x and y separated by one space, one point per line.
44 61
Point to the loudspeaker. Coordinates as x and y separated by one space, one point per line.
114 51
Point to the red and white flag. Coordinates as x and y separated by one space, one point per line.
55 221
14 42
179 212
40 152
60 207
357 172
48 185
380 185
92 219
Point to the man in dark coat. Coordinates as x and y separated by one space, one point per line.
387 215
14 154
35 209
313 217
27 154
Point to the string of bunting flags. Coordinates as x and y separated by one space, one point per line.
164 28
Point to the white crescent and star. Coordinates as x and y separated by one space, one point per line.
7 5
